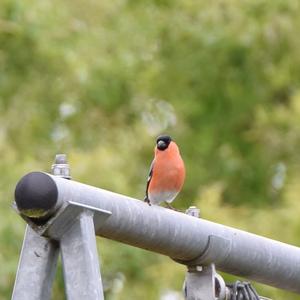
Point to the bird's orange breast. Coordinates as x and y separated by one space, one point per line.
168 170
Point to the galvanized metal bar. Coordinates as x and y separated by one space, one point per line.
187 239
80 260
36 268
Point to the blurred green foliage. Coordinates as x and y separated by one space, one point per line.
99 80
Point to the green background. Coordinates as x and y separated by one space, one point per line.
99 80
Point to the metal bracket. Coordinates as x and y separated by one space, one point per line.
199 283
203 283
56 227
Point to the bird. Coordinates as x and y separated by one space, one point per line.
167 173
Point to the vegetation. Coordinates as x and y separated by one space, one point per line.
98 80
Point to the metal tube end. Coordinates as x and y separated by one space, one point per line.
36 196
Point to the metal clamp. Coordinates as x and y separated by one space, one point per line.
203 283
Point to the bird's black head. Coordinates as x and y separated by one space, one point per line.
163 142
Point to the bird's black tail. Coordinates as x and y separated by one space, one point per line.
146 199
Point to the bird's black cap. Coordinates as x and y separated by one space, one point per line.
163 142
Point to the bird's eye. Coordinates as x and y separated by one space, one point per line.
161 145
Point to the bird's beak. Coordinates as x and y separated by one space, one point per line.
161 145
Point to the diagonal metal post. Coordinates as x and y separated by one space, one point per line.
36 268
80 260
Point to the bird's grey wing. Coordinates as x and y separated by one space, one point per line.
146 199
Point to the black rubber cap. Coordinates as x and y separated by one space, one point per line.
36 194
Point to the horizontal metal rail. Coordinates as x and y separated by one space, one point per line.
184 238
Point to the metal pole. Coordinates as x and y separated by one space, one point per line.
187 239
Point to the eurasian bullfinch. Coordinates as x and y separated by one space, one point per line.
167 172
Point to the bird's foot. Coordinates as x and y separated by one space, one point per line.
173 208
170 206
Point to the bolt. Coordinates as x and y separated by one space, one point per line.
195 268
193 211
61 167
